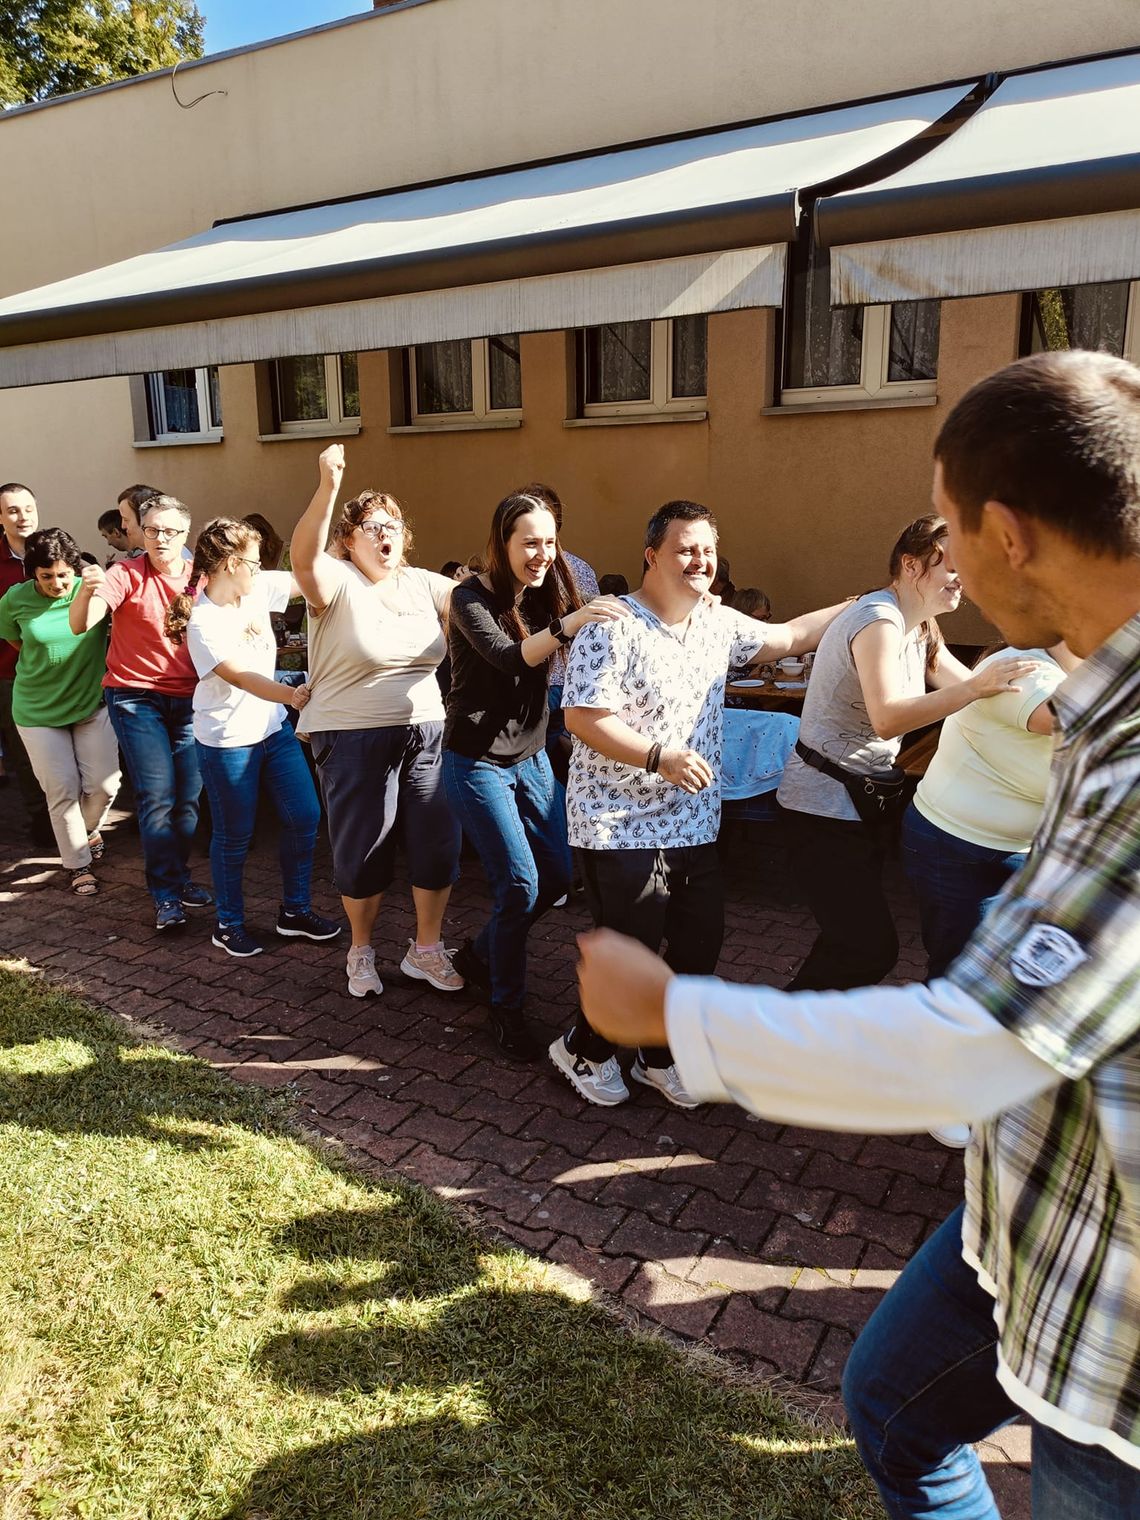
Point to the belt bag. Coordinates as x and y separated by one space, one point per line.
879 799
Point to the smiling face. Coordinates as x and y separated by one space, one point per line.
55 580
686 560
937 582
18 515
532 547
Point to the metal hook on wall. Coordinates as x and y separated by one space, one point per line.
188 105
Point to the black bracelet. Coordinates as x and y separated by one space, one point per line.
653 759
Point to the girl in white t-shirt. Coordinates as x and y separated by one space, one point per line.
240 731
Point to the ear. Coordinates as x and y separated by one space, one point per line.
1014 532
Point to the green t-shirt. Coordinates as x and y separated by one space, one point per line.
59 675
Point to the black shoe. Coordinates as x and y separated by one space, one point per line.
306 925
474 971
513 1034
236 941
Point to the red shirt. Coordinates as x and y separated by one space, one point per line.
11 574
140 654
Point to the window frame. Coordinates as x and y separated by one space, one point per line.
155 401
1131 342
482 412
661 400
336 419
874 368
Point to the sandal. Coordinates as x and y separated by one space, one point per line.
96 846
83 883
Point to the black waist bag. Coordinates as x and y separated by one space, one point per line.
879 800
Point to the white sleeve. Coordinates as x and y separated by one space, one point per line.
880 1058
276 586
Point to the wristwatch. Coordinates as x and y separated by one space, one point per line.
557 631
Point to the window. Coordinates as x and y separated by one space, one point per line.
315 392
465 380
856 353
182 404
628 368
1103 317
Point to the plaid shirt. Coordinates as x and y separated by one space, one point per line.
1053 1187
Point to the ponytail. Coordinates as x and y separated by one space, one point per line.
178 613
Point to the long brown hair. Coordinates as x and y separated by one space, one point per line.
557 595
221 539
924 540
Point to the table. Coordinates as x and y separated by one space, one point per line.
768 697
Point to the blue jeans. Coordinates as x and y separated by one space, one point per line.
515 820
954 881
921 1387
155 734
232 778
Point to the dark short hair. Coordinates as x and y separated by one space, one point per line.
110 521
14 485
1057 436
675 511
135 496
47 547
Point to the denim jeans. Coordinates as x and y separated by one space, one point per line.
155 734
954 881
921 1387
232 778
515 821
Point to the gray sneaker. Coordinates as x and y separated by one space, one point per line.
432 966
666 1079
596 1081
361 967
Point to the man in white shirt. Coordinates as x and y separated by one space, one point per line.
1027 1301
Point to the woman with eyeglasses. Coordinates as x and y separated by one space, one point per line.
148 688
240 731
375 719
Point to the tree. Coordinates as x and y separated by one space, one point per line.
54 47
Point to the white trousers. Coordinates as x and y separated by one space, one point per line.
78 769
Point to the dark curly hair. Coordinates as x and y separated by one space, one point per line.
47 547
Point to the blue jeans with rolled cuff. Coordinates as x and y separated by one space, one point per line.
156 735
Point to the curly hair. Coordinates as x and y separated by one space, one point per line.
358 511
47 547
222 539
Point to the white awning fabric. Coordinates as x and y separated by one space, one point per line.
1041 186
664 229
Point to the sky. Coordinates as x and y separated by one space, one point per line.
234 23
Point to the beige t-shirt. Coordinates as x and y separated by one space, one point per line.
373 651
986 783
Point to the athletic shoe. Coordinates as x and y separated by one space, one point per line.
596 1081
196 897
955 1137
513 1034
474 971
169 915
666 1079
306 925
236 941
432 966
361 967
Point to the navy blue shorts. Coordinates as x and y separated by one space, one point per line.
380 785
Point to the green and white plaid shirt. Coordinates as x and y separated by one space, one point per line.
1053 1187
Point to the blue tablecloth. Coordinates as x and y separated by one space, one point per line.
756 749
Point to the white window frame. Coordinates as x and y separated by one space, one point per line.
156 409
481 408
336 418
661 398
874 369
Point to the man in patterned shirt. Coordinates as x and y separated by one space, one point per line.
645 702
1027 1301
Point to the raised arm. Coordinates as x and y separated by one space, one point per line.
88 608
798 636
315 579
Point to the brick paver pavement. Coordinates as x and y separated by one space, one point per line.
767 1243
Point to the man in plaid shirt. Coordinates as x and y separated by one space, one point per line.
1027 1300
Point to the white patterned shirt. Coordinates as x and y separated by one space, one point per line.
668 684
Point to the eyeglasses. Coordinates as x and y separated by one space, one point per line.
376 527
154 534
254 565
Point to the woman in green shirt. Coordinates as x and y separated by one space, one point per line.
57 701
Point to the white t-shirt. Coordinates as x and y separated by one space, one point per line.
226 717
668 684
986 783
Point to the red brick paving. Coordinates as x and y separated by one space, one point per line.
770 1244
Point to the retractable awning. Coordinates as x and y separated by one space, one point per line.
664 229
1040 187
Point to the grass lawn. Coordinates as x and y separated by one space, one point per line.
201 1318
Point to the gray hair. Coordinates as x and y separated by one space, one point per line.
163 504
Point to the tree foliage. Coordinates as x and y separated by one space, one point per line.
54 47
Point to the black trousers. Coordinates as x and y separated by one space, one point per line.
673 897
839 866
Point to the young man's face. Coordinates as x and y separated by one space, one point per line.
687 557
132 531
18 515
115 538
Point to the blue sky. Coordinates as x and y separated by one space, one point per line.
234 23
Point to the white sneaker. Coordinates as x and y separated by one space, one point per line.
666 1079
597 1081
955 1136
361 967
432 966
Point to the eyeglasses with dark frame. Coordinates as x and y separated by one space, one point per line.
154 534
377 527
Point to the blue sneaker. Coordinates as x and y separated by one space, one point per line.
307 925
236 940
196 897
169 915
